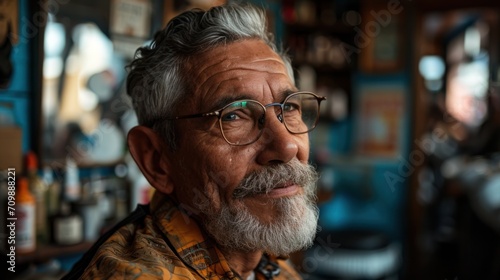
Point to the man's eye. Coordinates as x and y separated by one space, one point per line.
289 107
230 117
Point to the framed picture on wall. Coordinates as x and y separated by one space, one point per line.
379 38
130 25
381 114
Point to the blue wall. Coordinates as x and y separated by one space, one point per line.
19 93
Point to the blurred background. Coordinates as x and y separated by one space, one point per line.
408 144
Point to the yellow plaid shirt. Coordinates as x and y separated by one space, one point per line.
166 244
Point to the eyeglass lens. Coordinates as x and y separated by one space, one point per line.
241 122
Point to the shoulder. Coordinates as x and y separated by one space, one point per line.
134 248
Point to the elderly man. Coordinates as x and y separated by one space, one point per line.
223 139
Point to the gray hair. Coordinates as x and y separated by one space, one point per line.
156 82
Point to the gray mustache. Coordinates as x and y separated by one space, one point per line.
266 179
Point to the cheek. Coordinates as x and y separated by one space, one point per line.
226 168
211 167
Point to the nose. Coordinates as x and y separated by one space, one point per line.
278 145
277 109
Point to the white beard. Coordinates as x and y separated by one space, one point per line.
292 229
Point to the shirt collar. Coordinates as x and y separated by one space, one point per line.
191 243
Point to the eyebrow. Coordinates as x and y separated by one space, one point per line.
285 93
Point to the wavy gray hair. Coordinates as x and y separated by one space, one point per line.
156 82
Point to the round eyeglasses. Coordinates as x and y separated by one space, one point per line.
242 122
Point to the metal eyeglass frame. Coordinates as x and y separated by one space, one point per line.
280 117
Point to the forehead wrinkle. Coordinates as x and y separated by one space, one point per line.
213 89
201 73
267 59
238 76
267 63
206 74
211 70
209 79
208 60
226 63
270 69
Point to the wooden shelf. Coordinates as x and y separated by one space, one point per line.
46 252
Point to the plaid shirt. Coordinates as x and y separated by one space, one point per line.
165 243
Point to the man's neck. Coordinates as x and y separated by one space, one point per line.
243 262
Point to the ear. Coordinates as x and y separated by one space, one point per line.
150 153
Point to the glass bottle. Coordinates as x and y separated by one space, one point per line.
25 241
39 189
67 226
